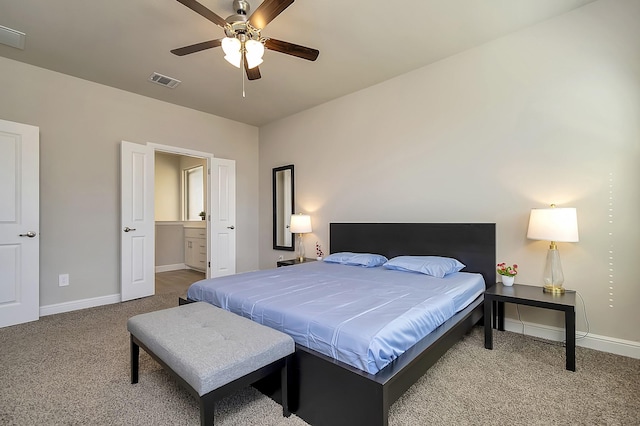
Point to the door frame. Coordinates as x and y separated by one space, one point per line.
211 159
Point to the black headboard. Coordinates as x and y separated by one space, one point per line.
473 244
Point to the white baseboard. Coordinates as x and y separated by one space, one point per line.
59 308
167 268
591 341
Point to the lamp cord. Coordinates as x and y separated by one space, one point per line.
586 320
563 342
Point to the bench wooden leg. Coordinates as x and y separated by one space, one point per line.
207 407
135 359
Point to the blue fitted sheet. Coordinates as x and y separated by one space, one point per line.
365 317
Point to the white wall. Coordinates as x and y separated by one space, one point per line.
167 187
81 126
546 115
169 246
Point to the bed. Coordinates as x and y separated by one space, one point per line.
328 389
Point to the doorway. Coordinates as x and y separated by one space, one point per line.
180 199
138 218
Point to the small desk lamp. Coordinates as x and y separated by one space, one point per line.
555 225
300 224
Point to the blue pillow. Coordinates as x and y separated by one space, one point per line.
339 257
367 260
435 266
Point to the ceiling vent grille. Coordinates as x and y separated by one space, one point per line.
12 38
163 80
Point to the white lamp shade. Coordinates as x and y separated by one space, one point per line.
231 47
554 224
255 50
300 224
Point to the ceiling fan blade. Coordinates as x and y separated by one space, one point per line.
292 49
203 11
267 11
253 73
198 47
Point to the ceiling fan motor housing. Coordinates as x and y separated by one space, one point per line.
241 7
238 25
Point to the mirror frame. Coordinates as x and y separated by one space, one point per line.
275 210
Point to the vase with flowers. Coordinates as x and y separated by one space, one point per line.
507 273
318 251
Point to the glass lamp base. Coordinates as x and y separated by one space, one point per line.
301 253
554 289
553 275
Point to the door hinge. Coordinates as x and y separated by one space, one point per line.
209 264
209 171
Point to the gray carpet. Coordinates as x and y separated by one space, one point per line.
73 369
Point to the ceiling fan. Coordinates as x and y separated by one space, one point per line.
244 43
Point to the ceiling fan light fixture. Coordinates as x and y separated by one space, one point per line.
255 51
231 47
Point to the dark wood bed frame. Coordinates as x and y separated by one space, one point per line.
324 391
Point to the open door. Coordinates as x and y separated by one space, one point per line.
137 221
222 228
19 223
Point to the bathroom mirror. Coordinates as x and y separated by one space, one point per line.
283 205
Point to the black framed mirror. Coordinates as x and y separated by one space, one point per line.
283 206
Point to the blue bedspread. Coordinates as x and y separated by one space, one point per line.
365 317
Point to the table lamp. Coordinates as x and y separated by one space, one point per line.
554 225
300 224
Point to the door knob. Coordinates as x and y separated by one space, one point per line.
231 227
127 229
29 234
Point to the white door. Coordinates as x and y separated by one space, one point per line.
137 221
19 223
222 228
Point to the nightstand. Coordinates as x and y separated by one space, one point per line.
295 261
496 296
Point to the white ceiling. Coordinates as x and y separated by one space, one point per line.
120 43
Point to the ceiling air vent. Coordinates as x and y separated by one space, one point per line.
12 38
163 80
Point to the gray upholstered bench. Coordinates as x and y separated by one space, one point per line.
210 351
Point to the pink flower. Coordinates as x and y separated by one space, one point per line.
508 271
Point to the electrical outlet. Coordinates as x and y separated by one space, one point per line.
63 280
281 257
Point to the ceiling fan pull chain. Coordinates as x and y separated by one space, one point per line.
242 74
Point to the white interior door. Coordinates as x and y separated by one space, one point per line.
222 228
137 221
19 223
